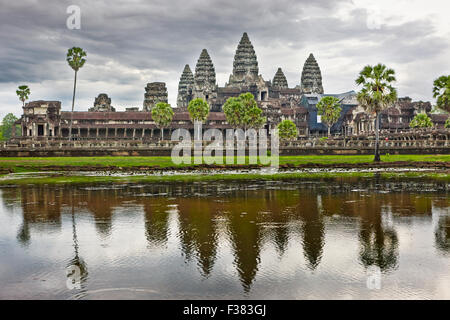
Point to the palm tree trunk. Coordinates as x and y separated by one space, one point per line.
329 131
162 133
73 104
377 138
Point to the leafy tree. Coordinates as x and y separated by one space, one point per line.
233 110
162 114
75 59
243 112
376 95
329 108
287 130
23 92
198 110
421 120
441 91
8 126
447 123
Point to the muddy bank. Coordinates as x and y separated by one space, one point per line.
155 168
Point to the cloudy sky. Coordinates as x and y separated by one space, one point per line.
131 43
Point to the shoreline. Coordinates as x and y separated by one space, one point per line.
88 177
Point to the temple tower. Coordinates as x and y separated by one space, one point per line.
245 64
185 87
279 80
154 92
311 81
102 104
205 77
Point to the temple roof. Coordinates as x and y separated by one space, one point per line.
245 63
205 74
279 80
311 81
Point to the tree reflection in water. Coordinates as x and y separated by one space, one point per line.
250 218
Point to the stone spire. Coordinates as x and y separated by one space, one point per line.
245 64
185 87
154 92
102 104
279 80
205 74
311 77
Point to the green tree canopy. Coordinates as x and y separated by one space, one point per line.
23 92
162 114
76 58
441 91
198 110
377 94
421 120
447 123
8 126
243 112
287 130
329 108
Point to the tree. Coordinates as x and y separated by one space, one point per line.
198 111
287 130
441 91
376 95
447 123
162 114
8 126
233 110
243 112
23 92
76 60
329 108
421 120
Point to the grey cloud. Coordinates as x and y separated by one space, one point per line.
138 42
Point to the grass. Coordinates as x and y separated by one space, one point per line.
33 164
443 177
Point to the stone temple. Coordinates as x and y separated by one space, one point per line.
44 119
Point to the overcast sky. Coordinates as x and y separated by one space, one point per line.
131 43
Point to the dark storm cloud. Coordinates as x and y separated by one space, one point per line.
134 42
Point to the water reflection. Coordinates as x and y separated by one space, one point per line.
247 218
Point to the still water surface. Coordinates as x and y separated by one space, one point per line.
334 239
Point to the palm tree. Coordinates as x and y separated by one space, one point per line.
23 92
377 94
75 58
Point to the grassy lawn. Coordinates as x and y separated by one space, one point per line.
28 164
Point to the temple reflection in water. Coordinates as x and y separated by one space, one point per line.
245 219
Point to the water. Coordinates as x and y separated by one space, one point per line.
327 239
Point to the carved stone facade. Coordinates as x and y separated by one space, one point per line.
205 86
311 81
154 92
279 80
102 104
185 88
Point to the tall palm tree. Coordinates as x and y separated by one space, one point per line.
377 94
75 58
23 92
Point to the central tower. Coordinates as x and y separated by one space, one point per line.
245 64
